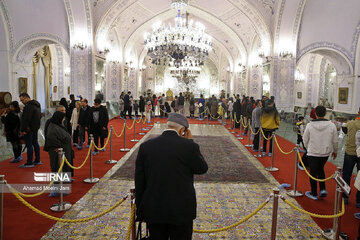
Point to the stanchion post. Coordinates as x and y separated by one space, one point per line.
229 128
91 179
207 117
337 204
249 136
275 213
133 229
240 129
111 161
294 192
134 140
272 168
259 155
124 149
141 126
2 183
61 205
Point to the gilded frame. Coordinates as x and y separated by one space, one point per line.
343 95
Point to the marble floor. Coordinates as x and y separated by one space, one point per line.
219 204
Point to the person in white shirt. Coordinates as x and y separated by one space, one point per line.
321 140
74 122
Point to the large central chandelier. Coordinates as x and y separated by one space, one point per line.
175 43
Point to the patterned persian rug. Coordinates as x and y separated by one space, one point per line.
225 160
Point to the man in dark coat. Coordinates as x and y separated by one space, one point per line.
164 181
69 112
99 119
237 111
29 126
83 122
127 105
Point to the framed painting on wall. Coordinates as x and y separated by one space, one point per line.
343 95
22 85
299 95
68 90
55 89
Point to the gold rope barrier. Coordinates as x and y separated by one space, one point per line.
253 132
23 201
267 139
235 224
122 131
139 119
107 142
131 125
39 193
283 152
314 214
131 222
316 179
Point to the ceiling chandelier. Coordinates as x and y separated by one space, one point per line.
184 39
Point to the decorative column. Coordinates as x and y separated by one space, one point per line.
255 82
81 49
282 85
113 81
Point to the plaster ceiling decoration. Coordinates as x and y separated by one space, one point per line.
27 52
217 7
241 25
99 8
131 19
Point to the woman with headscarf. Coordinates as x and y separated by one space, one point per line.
270 121
10 118
67 125
57 137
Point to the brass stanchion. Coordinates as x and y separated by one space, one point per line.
334 233
134 140
111 161
2 183
207 116
272 168
124 149
61 206
133 230
294 192
141 127
249 136
240 129
275 213
259 155
233 122
91 179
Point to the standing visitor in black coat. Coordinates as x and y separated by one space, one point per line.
69 112
12 129
84 119
142 105
29 126
99 119
127 104
164 181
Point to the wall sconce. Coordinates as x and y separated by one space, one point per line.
261 54
105 51
67 72
80 46
299 76
286 54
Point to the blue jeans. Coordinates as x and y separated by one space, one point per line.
201 112
31 141
348 167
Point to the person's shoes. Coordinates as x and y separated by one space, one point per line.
87 146
54 194
357 215
270 154
300 167
244 134
37 163
26 165
20 158
346 201
79 147
323 193
309 195
263 154
357 205
72 180
75 144
16 160
103 150
95 153
255 150
302 150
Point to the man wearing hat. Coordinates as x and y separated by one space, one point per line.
164 181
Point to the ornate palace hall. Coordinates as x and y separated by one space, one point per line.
116 69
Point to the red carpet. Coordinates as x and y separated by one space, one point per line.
21 223
324 206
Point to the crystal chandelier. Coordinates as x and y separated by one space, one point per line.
184 39
185 70
179 4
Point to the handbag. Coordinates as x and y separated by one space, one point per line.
139 233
